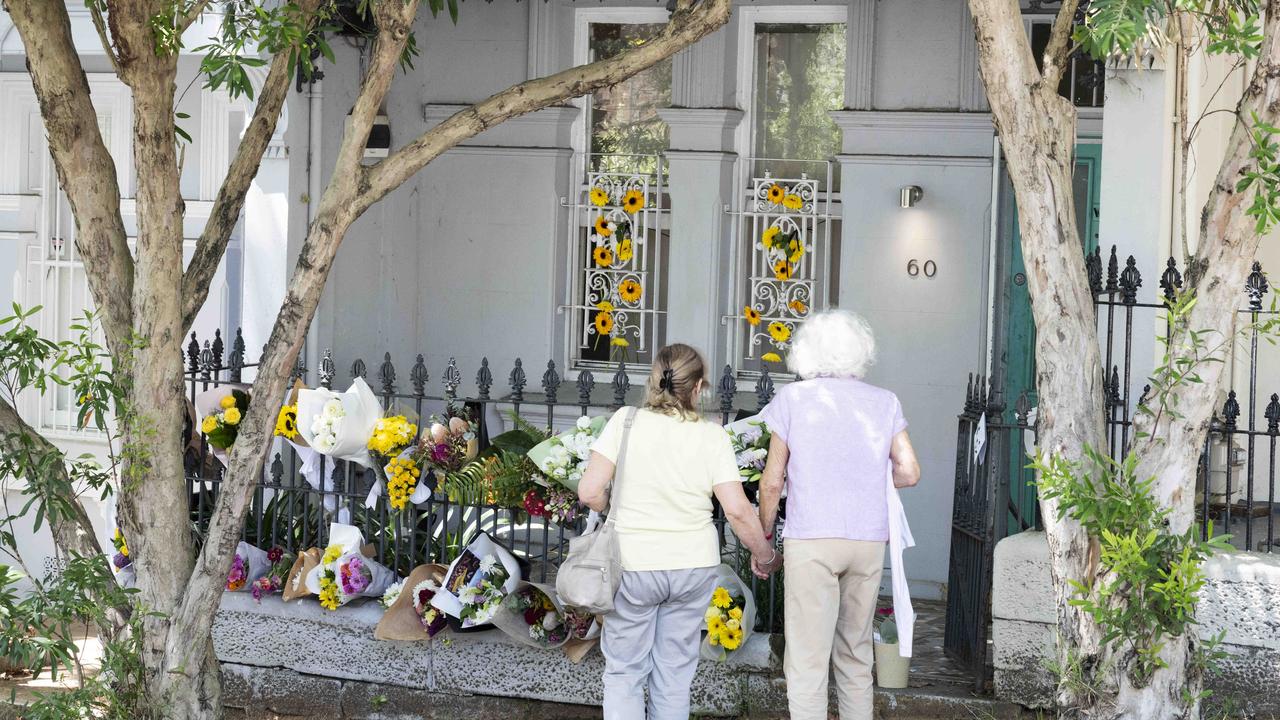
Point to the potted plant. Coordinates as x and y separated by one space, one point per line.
892 670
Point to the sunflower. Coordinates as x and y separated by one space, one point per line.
782 270
770 357
603 256
792 202
620 342
769 234
797 250
752 315
798 307
599 198
625 250
604 323
604 306
630 291
779 332
776 193
721 598
731 639
602 227
633 201
287 422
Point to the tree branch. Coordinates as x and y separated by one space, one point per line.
687 25
244 167
101 26
86 170
1058 52
73 533
192 15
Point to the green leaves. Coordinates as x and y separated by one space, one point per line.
1129 28
1263 177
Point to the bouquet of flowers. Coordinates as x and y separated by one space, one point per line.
247 566
556 504
533 615
564 457
339 424
222 409
476 582
730 616
451 441
345 572
409 614
750 438
393 436
122 561
273 580
295 583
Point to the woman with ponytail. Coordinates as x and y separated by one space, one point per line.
675 462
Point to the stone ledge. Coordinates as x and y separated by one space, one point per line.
1241 599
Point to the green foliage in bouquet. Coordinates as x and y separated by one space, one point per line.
498 478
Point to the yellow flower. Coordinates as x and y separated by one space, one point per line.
779 332
733 624
776 193
599 197
227 401
713 638
331 554
604 323
620 342
630 291
231 416
712 612
287 422
735 613
402 479
602 227
797 250
770 357
752 315
798 307
625 250
605 306
603 256
792 202
769 234
328 594
124 548
731 639
209 425
715 625
633 201
721 598
782 270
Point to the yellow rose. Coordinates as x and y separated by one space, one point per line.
228 401
209 425
231 416
736 613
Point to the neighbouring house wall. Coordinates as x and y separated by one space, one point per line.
468 258
1240 600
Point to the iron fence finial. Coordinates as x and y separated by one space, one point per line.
517 381
1171 281
1256 286
1273 415
550 382
218 349
358 369
621 384
452 379
387 374
1093 267
327 369
418 376
193 354
1113 272
484 378
1230 411
764 389
727 389
206 363
1130 281
236 361
586 383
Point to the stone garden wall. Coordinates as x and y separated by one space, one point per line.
1241 598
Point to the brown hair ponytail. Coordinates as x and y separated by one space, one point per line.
673 383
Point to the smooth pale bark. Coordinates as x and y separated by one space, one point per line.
182 668
1037 133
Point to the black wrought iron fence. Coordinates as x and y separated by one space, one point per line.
287 511
995 494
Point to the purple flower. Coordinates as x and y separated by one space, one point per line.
121 561
354 576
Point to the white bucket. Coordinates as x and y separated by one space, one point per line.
892 670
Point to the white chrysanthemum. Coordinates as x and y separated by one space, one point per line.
488 564
417 592
392 594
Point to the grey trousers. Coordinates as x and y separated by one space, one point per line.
651 640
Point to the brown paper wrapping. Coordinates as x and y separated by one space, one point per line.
400 621
295 585
575 649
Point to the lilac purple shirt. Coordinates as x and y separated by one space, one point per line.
838 432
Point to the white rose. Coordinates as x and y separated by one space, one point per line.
584 423
550 620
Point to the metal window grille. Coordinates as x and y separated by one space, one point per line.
781 256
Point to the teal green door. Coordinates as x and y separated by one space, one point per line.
1020 342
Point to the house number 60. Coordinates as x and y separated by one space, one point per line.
914 268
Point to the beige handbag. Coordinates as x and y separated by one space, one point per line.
589 577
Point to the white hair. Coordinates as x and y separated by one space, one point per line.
834 343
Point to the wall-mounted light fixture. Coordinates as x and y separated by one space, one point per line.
911 195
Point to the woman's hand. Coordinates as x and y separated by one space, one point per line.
593 489
766 566
906 469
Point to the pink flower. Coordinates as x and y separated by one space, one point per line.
884 611
354 576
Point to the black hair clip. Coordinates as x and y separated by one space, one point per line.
668 381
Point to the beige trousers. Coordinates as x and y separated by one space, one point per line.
831 589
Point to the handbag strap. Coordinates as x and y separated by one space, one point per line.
628 421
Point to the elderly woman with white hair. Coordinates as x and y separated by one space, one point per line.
835 440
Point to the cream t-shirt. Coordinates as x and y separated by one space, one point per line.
662 503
